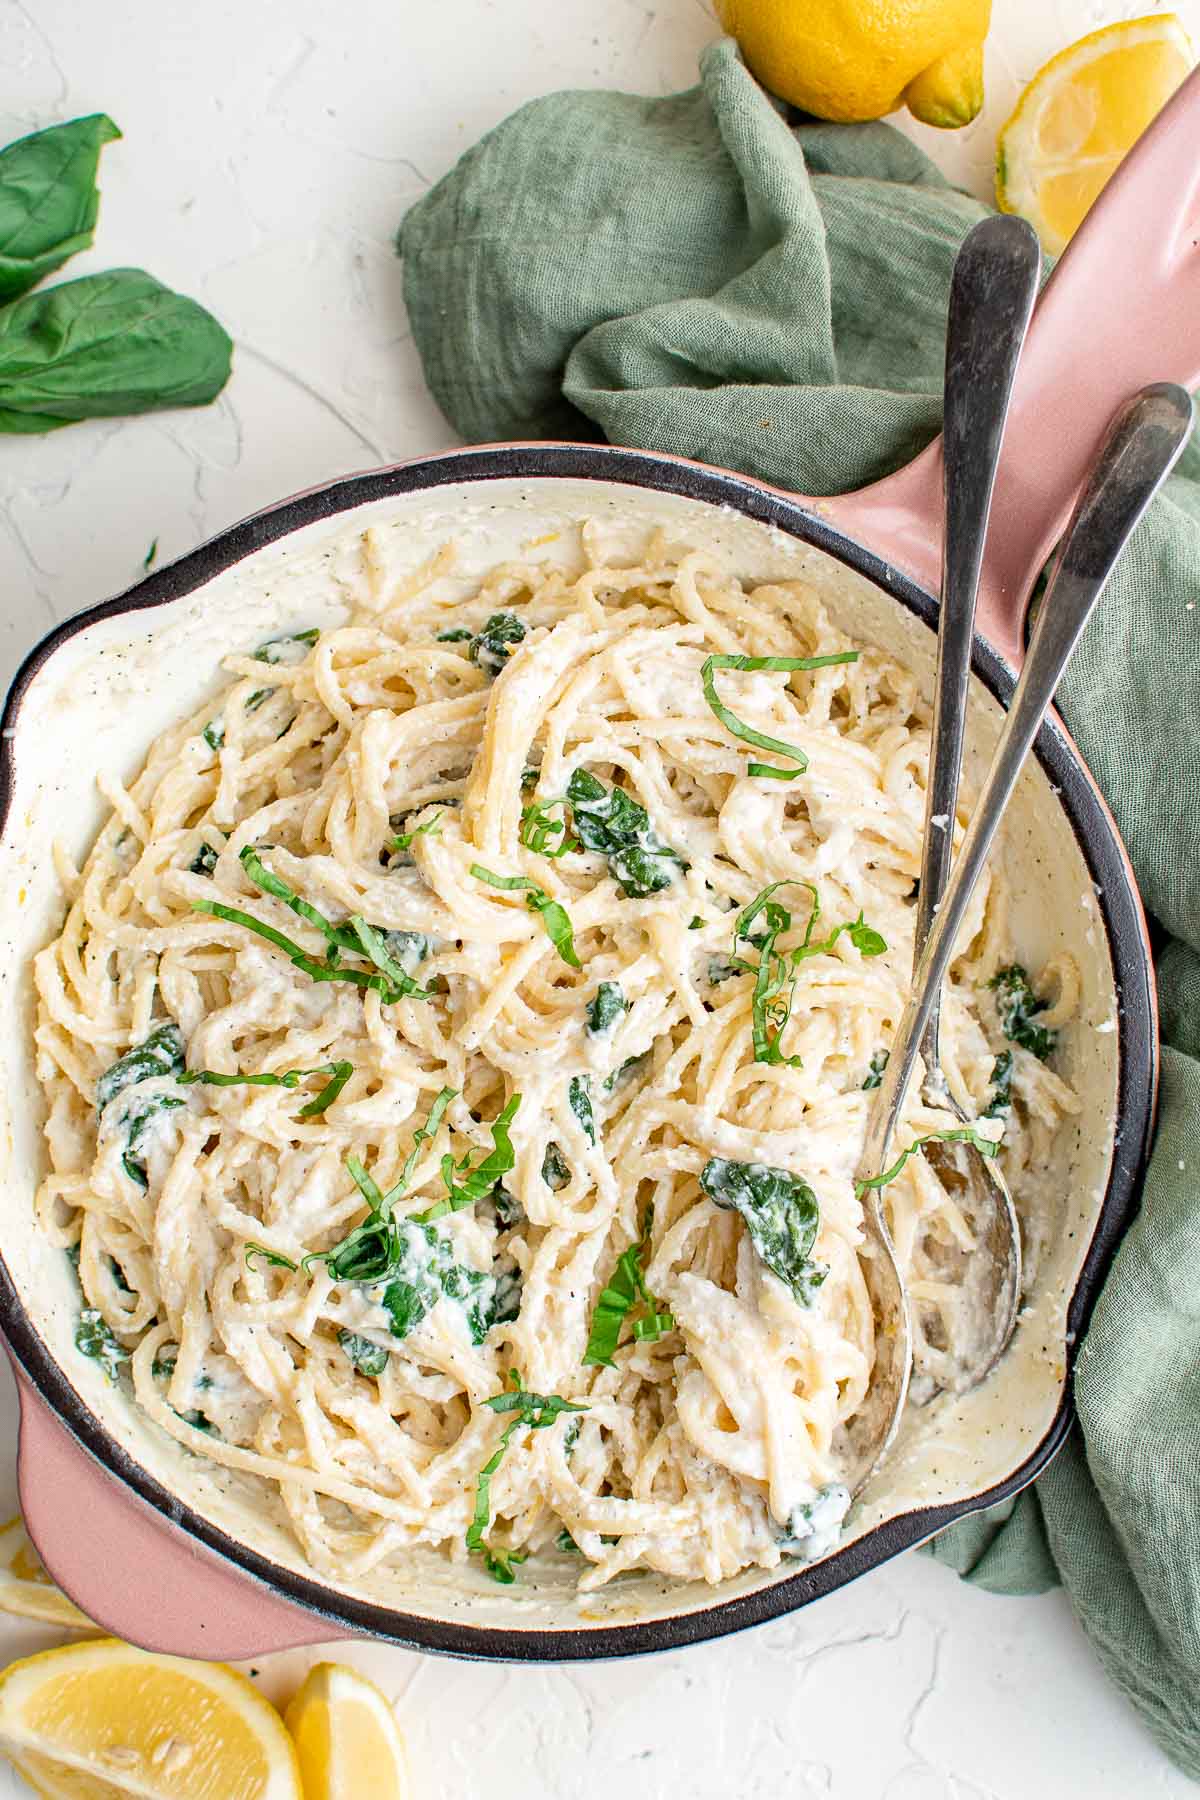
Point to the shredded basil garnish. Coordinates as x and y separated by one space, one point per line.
1018 1006
464 1185
775 971
431 828
388 979
781 1214
273 1258
554 917
965 1134
875 1068
339 1073
626 1290
739 729
457 634
539 829
538 1412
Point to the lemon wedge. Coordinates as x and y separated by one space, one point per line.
347 1738
1080 115
25 1587
94 1720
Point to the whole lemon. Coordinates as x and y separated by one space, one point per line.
860 59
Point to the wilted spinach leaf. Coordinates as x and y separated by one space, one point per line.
368 1357
781 1215
94 1338
612 822
1018 1006
605 1008
579 1099
492 647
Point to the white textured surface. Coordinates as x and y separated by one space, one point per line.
270 148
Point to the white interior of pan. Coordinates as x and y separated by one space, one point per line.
104 695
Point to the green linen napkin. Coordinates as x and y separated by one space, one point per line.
689 274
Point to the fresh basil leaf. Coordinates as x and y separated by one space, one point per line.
1018 1006
625 1290
536 1412
493 645
48 199
554 917
613 823
475 1184
94 1338
965 1134
579 1099
606 1007
368 1357
105 347
875 1068
738 728
781 1214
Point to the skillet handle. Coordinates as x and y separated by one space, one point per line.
135 1574
1121 310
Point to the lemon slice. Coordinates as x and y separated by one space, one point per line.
92 1720
347 1738
1080 115
25 1587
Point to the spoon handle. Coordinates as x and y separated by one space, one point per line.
992 291
1141 447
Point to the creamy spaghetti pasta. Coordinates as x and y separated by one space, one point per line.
458 1051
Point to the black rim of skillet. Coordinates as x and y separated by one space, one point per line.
1137 1055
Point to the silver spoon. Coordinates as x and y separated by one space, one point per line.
992 291
1139 450
991 300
